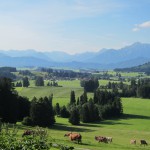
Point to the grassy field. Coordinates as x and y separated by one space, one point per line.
133 125
125 74
60 94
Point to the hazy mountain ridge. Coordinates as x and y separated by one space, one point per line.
140 68
25 53
129 56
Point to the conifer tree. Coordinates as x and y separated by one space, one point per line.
74 116
8 101
84 115
39 81
57 109
72 98
64 113
41 111
25 82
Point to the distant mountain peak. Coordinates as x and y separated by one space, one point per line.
135 54
136 44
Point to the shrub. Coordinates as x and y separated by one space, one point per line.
27 121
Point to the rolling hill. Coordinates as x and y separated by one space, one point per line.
140 68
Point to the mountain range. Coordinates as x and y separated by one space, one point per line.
129 56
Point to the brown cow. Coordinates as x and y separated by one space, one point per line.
74 136
36 132
143 142
133 141
101 139
28 132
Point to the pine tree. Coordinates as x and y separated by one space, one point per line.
8 101
64 113
25 82
74 116
91 85
23 107
39 81
72 98
85 98
57 109
78 101
41 111
84 115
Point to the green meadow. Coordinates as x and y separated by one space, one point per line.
60 94
134 124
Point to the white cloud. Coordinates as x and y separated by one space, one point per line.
135 29
141 26
145 25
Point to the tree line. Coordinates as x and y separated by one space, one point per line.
15 108
7 72
136 88
39 81
40 111
64 73
12 106
102 106
141 68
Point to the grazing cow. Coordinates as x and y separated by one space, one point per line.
143 142
133 141
74 136
101 139
38 132
28 132
109 139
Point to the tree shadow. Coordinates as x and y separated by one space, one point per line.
81 127
132 116
113 122
63 127
95 124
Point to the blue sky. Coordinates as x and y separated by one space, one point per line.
73 26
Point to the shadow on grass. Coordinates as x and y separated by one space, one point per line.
63 127
23 127
95 124
83 127
132 116
113 122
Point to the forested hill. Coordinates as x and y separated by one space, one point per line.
141 68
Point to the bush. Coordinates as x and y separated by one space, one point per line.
9 140
27 121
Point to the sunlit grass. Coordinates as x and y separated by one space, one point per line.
134 124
